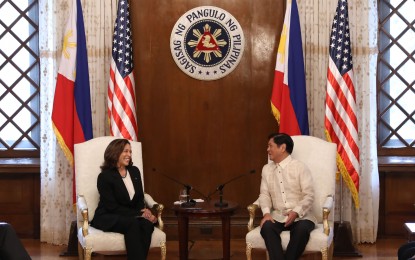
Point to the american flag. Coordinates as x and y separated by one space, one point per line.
341 110
121 86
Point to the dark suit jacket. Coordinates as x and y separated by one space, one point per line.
11 248
115 206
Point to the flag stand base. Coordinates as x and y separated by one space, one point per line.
343 245
72 249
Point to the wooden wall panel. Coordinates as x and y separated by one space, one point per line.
20 195
204 132
397 199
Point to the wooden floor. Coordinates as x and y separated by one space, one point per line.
383 249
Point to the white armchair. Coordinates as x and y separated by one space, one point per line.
88 158
320 157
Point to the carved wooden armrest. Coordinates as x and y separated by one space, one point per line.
327 207
251 209
156 208
83 209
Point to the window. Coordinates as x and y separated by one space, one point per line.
19 79
396 77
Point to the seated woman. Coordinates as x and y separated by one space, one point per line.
407 251
121 206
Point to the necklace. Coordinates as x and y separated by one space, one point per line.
126 172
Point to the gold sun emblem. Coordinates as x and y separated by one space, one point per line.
207 43
281 47
67 44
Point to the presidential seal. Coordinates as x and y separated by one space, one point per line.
207 43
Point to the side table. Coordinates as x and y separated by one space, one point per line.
204 210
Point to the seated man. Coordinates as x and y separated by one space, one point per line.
286 198
10 246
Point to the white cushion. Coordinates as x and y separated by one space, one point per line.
110 241
318 240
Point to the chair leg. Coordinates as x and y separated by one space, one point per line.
163 250
87 253
80 251
248 251
324 254
331 249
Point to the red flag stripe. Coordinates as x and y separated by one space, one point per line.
125 96
343 118
341 88
121 105
351 169
125 120
348 79
343 146
342 127
352 173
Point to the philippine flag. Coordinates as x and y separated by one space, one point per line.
288 100
71 115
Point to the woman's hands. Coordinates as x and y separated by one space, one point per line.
147 214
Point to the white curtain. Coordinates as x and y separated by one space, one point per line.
316 18
56 173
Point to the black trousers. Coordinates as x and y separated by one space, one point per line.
406 251
137 236
10 246
299 235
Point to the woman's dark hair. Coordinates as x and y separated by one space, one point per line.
113 152
282 138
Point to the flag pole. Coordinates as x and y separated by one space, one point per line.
343 236
341 199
